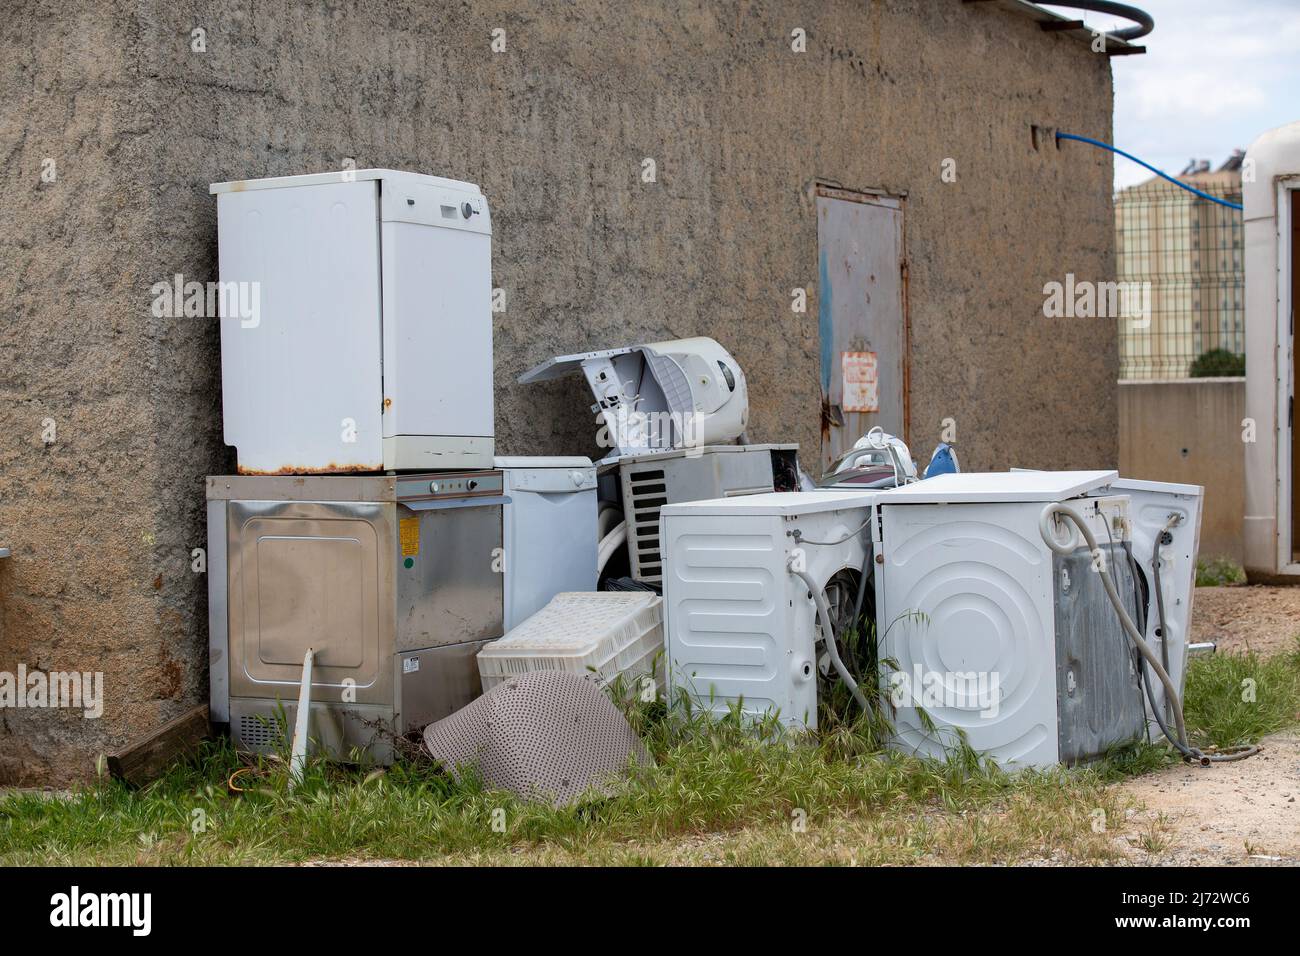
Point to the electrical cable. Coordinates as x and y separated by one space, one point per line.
1163 175
828 544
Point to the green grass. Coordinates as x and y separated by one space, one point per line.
707 779
715 792
1218 572
1234 699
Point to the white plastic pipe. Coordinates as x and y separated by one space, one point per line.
609 518
609 544
298 755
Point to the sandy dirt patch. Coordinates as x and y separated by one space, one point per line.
1264 619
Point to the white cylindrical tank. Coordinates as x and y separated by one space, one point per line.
1271 197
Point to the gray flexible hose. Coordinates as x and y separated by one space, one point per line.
1205 759
824 612
1044 527
1171 695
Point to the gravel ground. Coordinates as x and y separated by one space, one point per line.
1241 813
1241 616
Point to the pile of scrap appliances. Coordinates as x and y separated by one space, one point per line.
378 573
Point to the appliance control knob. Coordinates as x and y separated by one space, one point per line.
466 210
434 487
576 477
471 484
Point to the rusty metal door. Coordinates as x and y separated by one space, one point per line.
861 317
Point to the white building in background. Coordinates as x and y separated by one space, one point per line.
1190 251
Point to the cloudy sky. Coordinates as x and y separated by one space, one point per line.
1216 74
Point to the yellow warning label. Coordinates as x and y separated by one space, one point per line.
409 531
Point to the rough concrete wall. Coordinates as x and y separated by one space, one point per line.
554 129
1190 431
79 367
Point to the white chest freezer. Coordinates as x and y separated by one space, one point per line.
362 340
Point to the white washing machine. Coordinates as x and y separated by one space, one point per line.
740 628
549 536
996 638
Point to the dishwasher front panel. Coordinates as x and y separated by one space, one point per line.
311 574
449 575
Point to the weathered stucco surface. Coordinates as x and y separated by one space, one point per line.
554 129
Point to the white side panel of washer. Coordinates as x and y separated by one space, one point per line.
730 617
966 588
308 364
738 625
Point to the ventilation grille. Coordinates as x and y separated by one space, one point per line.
647 495
260 733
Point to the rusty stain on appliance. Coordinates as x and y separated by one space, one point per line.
330 469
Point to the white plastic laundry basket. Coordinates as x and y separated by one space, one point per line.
598 634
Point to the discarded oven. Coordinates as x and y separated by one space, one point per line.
393 581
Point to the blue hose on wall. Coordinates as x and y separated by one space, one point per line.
1162 175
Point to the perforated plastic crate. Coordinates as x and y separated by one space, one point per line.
598 634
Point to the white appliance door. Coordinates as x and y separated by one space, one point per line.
550 537
301 381
964 607
437 331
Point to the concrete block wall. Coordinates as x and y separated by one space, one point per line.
1189 430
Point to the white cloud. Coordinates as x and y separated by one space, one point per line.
1216 74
